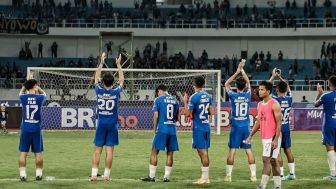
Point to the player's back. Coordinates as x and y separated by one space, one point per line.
240 105
31 111
168 108
107 105
200 103
329 107
286 106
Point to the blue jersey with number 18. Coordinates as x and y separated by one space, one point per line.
199 104
240 103
31 111
107 105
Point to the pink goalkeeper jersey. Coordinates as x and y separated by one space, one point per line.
267 119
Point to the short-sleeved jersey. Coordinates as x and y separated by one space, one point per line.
107 105
199 104
168 108
32 111
286 106
240 104
329 108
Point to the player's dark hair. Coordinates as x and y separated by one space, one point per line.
161 87
108 79
29 84
268 85
282 87
240 83
34 82
199 81
332 80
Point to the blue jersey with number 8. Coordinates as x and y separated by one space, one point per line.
240 103
31 112
199 104
107 105
167 107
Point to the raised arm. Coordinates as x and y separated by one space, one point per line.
229 81
318 101
100 67
120 72
247 80
40 91
274 74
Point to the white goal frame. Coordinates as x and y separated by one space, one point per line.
218 72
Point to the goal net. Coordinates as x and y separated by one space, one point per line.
71 100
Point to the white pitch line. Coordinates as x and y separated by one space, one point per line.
136 180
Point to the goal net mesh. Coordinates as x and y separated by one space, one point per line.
71 99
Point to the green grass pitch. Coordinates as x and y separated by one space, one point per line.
67 157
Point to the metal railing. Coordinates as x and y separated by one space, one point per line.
297 85
196 24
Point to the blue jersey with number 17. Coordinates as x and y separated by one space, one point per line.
240 103
168 108
286 106
31 111
199 104
107 105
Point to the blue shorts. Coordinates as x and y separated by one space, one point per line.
106 136
163 141
201 139
328 135
286 141
237 136
33 140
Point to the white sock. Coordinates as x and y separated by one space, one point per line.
94 172
277 181
331 162
282 171
264 180
205 172
107 172
38 172
291 167
253 170
229 170
23 172
167 171
152 171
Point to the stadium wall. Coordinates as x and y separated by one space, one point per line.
300 47
234 3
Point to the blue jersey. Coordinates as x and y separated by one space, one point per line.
286 106
329 108
199 104
31 112
240 103
107 105
168 108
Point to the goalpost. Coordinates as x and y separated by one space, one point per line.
71 99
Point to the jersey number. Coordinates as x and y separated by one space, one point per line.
170 111
205 110
105 104
30 114
241 109
285 115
